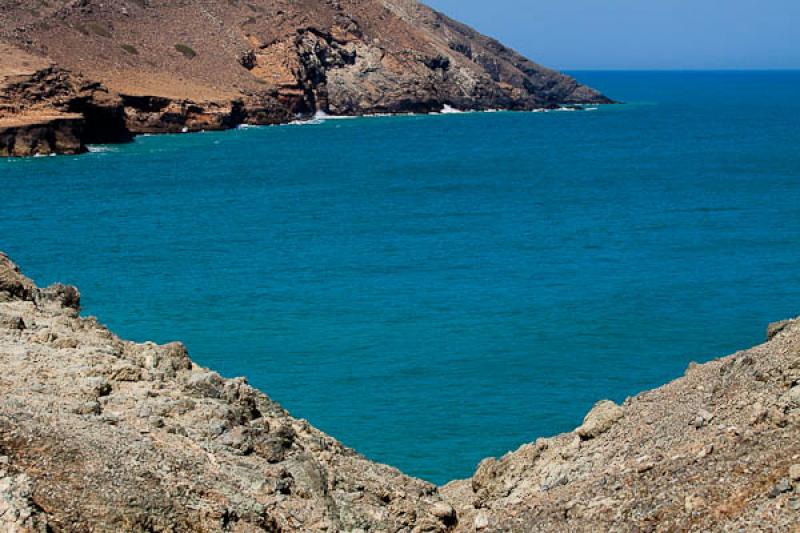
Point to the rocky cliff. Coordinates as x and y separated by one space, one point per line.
101 434
133 66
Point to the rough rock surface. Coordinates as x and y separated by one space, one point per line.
133 66
42 135
716 450
100 434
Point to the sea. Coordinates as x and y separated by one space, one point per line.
432 290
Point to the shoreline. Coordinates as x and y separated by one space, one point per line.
45 135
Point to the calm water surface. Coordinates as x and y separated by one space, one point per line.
433 290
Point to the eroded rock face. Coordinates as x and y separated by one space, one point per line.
42 135
151 67
715 450
101 434
14 285
776 327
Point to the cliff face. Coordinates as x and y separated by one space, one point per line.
153 66
101 434
42 135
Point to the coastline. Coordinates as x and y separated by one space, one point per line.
45 134
344 60
50 135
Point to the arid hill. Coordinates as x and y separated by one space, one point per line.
109 69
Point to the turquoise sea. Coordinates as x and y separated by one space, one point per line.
432 290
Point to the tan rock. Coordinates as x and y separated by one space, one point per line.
794 472
694 503
792 397
600 419
166 445
481 522
776 327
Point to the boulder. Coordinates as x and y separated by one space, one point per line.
777 327
600 419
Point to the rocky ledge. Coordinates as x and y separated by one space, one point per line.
41 135
101 434
149 66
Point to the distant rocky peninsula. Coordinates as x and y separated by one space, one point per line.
101 434
90 71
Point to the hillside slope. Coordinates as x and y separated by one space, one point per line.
104 435
716 450
133 66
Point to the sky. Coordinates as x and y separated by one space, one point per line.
640 34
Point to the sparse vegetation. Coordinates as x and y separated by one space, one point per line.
187 51
130 49
97 29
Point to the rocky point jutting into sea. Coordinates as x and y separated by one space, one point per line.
76 72
101 434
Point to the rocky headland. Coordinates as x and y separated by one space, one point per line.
74 72
102 434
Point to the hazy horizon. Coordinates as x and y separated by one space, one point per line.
634 35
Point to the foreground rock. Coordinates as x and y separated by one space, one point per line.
716 450
151 66
100 434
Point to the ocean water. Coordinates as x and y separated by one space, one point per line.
432 290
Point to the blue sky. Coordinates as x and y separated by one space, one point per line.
641 34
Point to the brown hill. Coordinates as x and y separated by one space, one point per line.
132 66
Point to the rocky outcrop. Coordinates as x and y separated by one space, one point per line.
600 419
101 434
131 67
46 110
716 450
42 135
